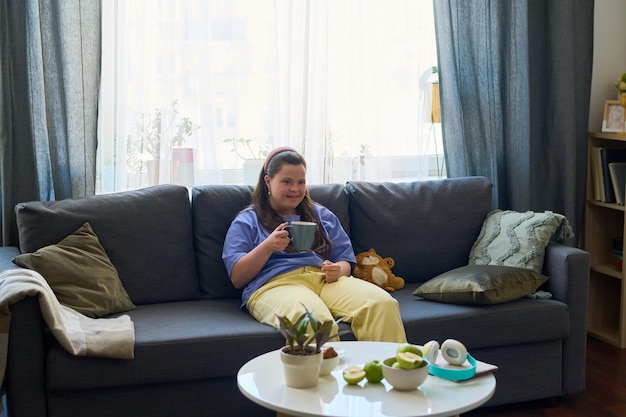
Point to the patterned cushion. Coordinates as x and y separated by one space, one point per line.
511 238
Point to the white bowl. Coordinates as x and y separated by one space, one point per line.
328 365
404 379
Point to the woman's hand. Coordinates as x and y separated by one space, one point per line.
278 240
335 270
249 265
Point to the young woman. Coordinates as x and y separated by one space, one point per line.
278 280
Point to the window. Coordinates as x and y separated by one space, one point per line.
193 91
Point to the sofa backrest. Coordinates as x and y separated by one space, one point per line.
146 233
427 227
213 208
165 250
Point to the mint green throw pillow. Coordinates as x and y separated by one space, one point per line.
511 238
80 273
481 284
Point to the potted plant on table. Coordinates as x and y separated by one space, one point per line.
302 355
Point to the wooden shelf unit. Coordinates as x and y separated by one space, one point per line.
607 283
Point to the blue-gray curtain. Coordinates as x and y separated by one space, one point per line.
515 81
50 75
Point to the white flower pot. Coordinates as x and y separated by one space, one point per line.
301 371
252 170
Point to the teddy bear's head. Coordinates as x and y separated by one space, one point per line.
373 268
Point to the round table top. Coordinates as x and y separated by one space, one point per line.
261 380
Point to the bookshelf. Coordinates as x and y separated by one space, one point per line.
603 223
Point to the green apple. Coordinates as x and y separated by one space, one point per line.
373 371
353 375
396 365
409 360
408 347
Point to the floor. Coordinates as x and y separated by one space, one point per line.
604 395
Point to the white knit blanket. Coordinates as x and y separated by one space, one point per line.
77 333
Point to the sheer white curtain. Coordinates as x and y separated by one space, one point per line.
185 81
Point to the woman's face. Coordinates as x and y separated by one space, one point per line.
287 189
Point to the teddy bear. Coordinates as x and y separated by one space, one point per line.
373 268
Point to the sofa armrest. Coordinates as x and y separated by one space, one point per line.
25 370
568 272
25 373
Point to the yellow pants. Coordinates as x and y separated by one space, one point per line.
372 312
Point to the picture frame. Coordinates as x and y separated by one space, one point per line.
613 120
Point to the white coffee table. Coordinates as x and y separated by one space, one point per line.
261 380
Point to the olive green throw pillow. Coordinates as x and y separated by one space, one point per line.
481 284
80 273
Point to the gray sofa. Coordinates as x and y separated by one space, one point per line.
192 337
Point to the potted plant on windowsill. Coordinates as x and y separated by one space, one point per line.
253 156
302 355
153 138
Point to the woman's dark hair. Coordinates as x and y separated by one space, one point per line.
268 218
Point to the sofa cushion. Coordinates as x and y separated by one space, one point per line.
215 206
517 239
427 227
146 234
481 284
519 322
80 273
335 198
174 342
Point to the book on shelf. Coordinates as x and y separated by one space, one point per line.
598 181
608 156
617 170
596 173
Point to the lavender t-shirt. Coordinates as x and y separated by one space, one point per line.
245 233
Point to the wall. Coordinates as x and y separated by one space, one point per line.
609 56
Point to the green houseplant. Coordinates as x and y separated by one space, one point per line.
153 137
253 155
302 355
246 149
299 341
